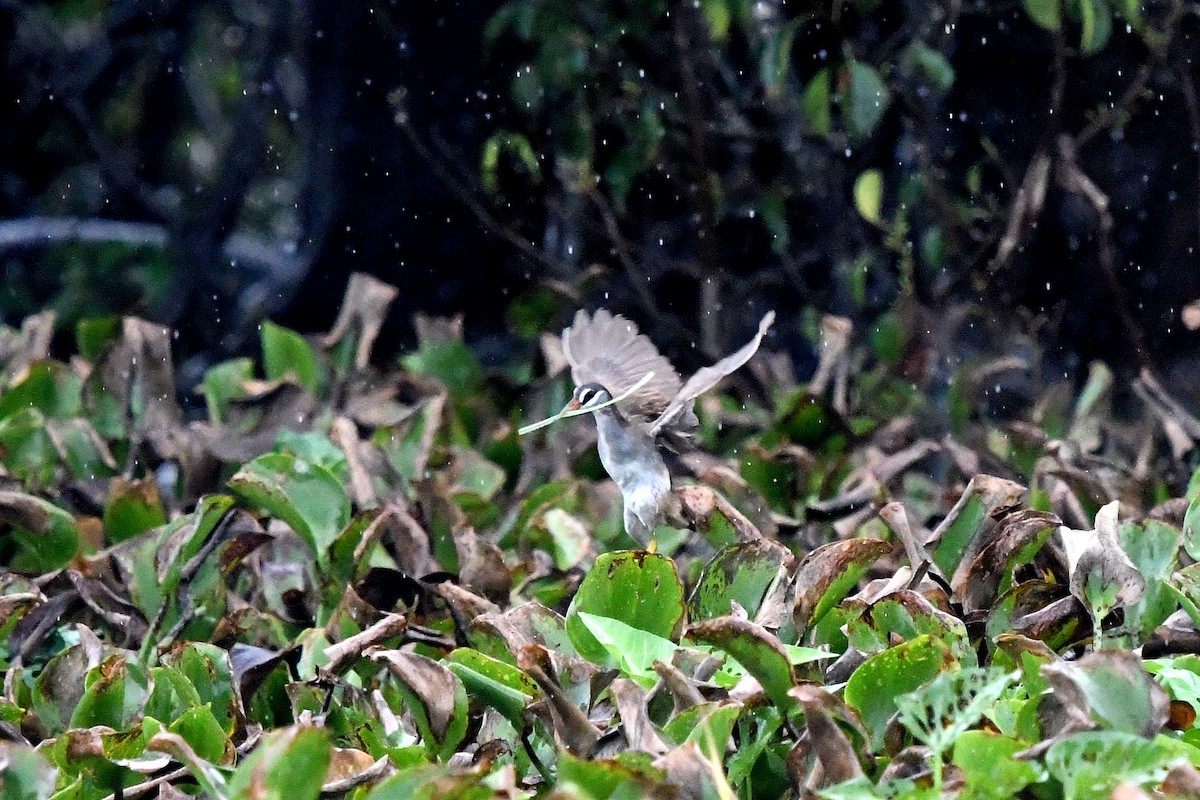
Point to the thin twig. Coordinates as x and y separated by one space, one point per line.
1078 181
463 193
621 247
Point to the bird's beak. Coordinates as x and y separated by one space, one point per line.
573 405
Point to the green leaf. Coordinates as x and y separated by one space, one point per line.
743 573
641 589
569 537
29 452
602 780
868 195
760 653
716 14
225 382
115 691
133 507
944 709
287 357
634 651
1090 765
827 574
1045 13
1115 688
1191 526
1095 20
500 685
92 335
290 764
303 495
934 64
173 693
818 103
45 536
868 99
453 363
991 772
875 687
1153 547
776 57
200 728
709 725
51 388
27 774
315 448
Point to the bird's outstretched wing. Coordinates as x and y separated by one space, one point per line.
607 349
678 413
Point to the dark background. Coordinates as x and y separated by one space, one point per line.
688 164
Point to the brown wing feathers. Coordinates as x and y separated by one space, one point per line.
608 349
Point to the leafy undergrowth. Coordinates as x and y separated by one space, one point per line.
346 580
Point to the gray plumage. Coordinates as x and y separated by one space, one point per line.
608 356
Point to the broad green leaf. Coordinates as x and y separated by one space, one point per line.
453 363
741 573
983 495
290 764
934 64
133 507
287 356
47 386
641 589
874 688
27 774
305 496
315 448
1046 13
114 692
500 685
1153 547
829 573
868 195
173 693
868 99
760 653
604 780
569 537
634 651
203 732
1191 526
94 333
29 453
709 725
1095 20
1115 688
225 382
991 772
818 103
45 536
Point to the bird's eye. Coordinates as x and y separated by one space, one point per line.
585 396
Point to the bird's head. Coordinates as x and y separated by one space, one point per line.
587 395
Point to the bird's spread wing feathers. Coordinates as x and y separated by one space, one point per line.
608 349
678 413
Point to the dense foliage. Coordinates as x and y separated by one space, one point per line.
216 161
357 581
